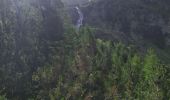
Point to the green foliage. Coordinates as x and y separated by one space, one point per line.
90 68
3 98
29 38
98 69
41 61
147 87
151 68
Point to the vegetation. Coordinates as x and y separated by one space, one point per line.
109 71
145 19
44 58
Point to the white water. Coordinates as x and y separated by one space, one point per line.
80 20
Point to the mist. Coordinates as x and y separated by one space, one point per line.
84 49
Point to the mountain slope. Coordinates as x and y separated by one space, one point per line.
142 22
144 18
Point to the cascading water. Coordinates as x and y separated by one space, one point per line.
80 20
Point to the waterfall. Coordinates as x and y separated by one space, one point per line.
80 19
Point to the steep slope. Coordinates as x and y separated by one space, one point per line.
29 32
43 57
96 69
145 23
150 19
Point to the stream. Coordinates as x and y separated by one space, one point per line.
80 19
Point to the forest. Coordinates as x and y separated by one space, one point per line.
84 50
